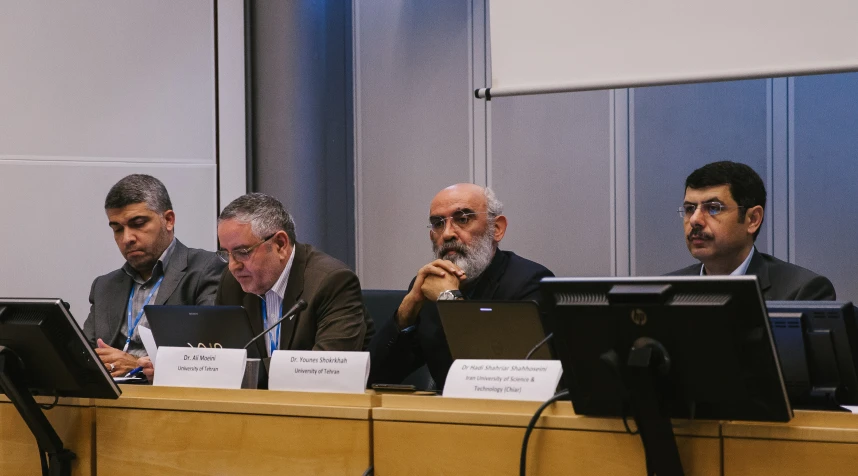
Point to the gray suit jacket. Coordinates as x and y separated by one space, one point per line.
335 317
779 280
191 278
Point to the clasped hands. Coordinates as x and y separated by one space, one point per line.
119 363
432 279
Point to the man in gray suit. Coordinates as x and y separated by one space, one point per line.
159 269
723 213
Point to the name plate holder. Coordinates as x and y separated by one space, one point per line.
529 380
319 371
200 367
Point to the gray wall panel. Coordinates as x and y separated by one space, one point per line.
825 174
551 169
677 129
412 139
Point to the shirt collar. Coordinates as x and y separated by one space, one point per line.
160 266
741 270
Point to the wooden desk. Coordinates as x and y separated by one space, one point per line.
183 431
812 443
72 419
442 436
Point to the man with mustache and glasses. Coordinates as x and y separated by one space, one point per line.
465 226
723 212
158 269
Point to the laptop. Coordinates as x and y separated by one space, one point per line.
493 329
201 326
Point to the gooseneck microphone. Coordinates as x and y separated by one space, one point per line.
537 346
292 312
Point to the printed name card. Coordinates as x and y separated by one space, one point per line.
200 367
534 380
319 371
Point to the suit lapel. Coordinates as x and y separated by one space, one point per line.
173 274
294 289
758 267
253 306
120 291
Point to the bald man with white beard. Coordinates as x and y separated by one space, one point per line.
466 226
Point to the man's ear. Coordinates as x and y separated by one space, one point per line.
500 228
281 239
754 219
170 219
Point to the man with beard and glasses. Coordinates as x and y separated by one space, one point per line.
465 227
158 269
723 212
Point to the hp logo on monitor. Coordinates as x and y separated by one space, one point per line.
638 317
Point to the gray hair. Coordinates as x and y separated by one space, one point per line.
265 214
494 207
139 188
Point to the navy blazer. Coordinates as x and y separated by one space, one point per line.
779 280
395 355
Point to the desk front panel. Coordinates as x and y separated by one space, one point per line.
438 436
19 454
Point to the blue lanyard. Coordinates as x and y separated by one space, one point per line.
132 327
273 343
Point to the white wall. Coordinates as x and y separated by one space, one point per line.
90 92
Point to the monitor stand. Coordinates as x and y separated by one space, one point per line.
648 359
14 384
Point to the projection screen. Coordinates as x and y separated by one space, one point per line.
545 46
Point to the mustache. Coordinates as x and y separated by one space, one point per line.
699 234
455 245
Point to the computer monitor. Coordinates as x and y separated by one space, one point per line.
56 358
44 352
720 357
817 343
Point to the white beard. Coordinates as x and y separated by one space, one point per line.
473 259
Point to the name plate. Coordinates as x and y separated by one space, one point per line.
200 367
532 380
319 371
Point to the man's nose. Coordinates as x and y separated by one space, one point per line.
128 236
449 230
697 217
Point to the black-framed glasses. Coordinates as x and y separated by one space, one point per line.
460 220
241 254
709 208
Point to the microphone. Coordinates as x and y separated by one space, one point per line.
537 346
292 312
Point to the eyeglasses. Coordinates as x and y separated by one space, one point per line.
242 254
709 208
460 220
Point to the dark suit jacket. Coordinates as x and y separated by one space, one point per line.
335 317
191 278
395 355
779 280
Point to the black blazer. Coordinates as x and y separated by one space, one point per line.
779 280
335 317
395 355
191 278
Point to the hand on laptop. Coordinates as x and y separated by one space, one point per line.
148 368
117 362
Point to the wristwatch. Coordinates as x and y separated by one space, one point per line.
450 295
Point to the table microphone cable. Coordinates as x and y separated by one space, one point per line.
530 426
